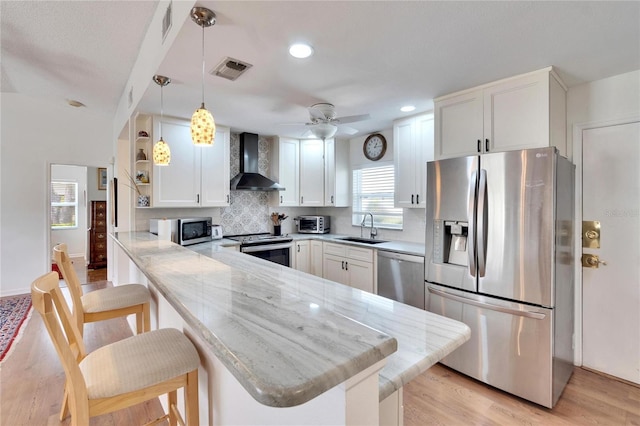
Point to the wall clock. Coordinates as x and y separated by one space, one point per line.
374 146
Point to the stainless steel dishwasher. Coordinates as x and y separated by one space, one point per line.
401 277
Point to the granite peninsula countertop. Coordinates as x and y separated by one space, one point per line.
288 336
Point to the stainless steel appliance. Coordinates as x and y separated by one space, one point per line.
499 257
249 179
186 231
313 224
273 248
401 277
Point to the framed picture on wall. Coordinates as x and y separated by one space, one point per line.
102 178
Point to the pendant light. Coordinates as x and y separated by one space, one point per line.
203 127
161 151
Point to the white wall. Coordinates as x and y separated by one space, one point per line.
76 239
611 98
36 134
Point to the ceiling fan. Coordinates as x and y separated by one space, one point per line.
323 122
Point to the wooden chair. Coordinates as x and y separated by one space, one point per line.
121 374
107 303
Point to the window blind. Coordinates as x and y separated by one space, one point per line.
373 192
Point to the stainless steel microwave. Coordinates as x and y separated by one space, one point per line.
313 224
186 231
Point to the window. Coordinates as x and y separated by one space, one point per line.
64 205
373 190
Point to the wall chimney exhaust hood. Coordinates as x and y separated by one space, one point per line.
249 179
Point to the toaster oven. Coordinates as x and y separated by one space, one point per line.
313 224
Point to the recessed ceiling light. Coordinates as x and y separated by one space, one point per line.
407 108
300 50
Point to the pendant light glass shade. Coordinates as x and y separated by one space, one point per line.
161 151
203 127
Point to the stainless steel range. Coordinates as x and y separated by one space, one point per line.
275 249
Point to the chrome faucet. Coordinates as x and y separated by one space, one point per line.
373 231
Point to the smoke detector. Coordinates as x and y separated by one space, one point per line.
230 68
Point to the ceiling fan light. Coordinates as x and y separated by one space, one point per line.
203 128
300 50
161 153
407 108
324 130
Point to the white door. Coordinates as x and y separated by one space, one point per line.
611 293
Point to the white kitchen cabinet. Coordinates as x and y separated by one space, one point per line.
285 169
315 258
353 266
302 256
525 111
336 173
412 147
311 173
314 173
197 176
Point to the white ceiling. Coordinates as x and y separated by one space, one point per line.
370 56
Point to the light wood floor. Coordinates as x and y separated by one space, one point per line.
31 383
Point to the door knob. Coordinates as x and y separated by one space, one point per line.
592 261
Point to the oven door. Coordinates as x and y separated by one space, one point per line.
277 253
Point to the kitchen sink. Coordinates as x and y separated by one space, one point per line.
361 240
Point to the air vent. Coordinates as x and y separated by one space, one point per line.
230 68
166 22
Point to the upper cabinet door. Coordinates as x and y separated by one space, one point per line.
178 184
215 165
423 152
311 173
403 136
284 169
459 125
336 173
412 147
516 114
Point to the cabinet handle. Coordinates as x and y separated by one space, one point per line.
332 199
479 145
417 198
343 264
227 198
298 248
281 199
411 198
486 145
346 266
198 198
301 200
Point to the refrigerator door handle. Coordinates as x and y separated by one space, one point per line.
473 187
527 314
481 239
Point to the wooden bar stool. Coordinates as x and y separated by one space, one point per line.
107 303
121 374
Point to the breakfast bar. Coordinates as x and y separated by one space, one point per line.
279 346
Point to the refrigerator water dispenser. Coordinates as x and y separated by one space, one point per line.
450 242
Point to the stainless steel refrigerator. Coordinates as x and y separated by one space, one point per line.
499 257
